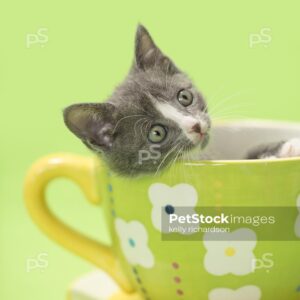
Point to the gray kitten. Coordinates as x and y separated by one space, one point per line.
152 118
156 112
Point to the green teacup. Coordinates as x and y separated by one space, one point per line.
145 261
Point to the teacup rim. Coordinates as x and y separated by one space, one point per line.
267 123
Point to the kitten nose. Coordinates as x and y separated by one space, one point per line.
201 128
196 128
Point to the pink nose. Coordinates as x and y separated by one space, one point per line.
196 128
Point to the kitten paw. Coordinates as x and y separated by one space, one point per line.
290 148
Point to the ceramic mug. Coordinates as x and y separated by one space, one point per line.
143 262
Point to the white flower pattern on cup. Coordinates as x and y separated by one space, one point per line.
133 238
230 253
248 292
297 224
165 199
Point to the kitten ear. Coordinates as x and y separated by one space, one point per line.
148 55
93 123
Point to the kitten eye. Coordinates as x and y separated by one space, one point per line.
157 134
185 97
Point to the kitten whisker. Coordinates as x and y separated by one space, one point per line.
176 156
229 116
225 100
141 127
214 95
118 122
135 124
231 108
165 157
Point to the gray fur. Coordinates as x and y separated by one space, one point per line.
265 151
117 129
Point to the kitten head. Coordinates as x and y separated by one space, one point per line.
151 119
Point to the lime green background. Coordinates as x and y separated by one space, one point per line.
89 51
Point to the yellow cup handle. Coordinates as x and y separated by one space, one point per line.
80 170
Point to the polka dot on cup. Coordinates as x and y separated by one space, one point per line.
110 188
169 209
177 279
175 265
131 242
139 281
